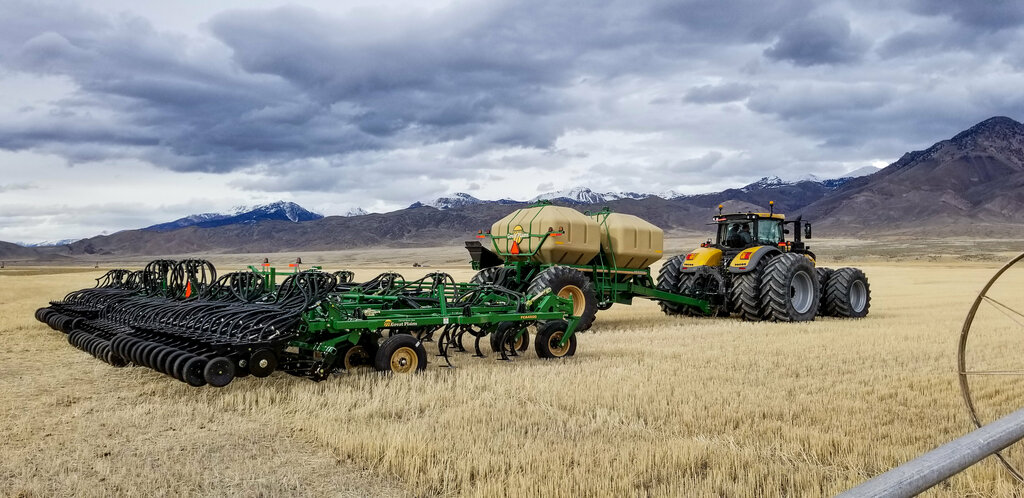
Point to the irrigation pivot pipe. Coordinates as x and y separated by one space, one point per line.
943 462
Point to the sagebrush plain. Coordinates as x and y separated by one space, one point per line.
651 405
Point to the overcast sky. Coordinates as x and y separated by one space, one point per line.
117 114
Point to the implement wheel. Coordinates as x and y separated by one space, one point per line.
219 371
401 354
789 289
549 335
568 282
355 357
262 363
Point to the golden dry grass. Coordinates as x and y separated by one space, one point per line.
651 405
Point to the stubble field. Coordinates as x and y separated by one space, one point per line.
651 405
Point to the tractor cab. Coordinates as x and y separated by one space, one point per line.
739 231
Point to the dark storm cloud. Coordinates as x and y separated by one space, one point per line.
987 14
716 94
316 101
818 40
735 21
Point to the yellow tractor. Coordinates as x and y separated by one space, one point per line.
753 271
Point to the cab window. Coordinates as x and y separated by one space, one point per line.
769 232
735 234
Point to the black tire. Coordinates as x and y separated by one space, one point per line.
847 294
486 276
670 278
262 363
823 275
509 328
565 282
745 294
685 281
549 335
401 353
789 289
193 370
219 371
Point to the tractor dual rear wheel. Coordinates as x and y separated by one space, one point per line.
823 275
789 289
847 294
568 282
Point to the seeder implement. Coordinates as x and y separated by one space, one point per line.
178 318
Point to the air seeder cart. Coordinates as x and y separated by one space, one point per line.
596 259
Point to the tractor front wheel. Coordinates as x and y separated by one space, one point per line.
671 279
567 282
745 294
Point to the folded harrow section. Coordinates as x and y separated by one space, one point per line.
180 319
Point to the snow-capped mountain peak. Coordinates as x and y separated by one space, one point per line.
280 210
859 172
584 195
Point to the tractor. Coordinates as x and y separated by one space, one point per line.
751 270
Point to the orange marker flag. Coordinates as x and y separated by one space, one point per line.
515 247
188 289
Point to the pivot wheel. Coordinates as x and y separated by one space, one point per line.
789 289
567 283
989 365
401 354
549 337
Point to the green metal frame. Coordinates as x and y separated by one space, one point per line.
611 283
270 274
346 319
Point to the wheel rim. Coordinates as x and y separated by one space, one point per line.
802 292
554 347
355 357
966 373
858 296
578 300
404 360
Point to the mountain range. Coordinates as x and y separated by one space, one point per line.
972 183
281 210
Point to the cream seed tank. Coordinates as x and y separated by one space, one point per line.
578 241
597 259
